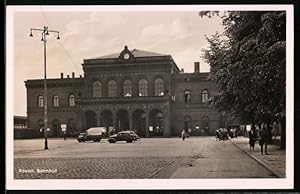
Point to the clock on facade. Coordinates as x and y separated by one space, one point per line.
126 56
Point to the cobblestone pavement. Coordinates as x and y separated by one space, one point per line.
275 161
91 168
147 158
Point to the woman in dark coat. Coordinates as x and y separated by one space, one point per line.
252 138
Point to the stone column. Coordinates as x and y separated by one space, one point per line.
114 120
80 119
147 124
130 120
98 115
167 123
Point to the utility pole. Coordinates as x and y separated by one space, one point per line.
45 31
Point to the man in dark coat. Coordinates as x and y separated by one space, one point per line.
252 138
264 139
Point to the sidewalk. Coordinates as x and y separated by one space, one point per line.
274 162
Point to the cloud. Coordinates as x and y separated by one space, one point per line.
93 34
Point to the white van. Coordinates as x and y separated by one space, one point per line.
92 134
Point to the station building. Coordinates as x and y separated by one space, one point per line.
130 90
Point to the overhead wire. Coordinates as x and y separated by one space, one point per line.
59 43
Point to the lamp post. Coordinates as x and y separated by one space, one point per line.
45 31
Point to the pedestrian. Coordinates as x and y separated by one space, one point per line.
65 135
202 132
252 138
217 135
183 134
263 141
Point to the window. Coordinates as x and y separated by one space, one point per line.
143 87
97 89
159 87
71 100
41 125
40 101
127 88
112 88
55 101
204 96
187 96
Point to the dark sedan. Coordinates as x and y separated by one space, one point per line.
121 136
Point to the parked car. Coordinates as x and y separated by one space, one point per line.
222 134
91 134
121 136
134 135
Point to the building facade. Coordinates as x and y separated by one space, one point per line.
130 90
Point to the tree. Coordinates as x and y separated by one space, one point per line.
248 64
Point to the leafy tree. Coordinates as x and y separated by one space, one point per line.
248 64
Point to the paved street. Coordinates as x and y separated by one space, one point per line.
195 157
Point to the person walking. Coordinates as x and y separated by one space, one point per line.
217 135
252 138
65 135
183 134
264 138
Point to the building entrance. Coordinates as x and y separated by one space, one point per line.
122 120
156 123
139 122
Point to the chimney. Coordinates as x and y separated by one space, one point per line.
68 76
61 75
182 70
73 75
197 67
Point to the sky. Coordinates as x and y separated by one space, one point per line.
90 33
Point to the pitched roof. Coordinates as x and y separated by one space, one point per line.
135 52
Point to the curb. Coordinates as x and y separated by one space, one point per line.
278 175
156 172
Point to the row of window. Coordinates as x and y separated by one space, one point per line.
127 88
143 91
187 96
56 101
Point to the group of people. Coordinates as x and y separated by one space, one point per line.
262 137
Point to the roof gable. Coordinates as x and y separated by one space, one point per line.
135 52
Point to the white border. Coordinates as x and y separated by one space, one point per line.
148 184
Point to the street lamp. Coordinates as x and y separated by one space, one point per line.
45 32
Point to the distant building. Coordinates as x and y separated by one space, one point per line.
131 90
21 129
20 122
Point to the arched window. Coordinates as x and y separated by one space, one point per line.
143 87
97 89
204 96
55 101
40 125
71 100
159 87
188 123
127 88
112 88
187 96
41 101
